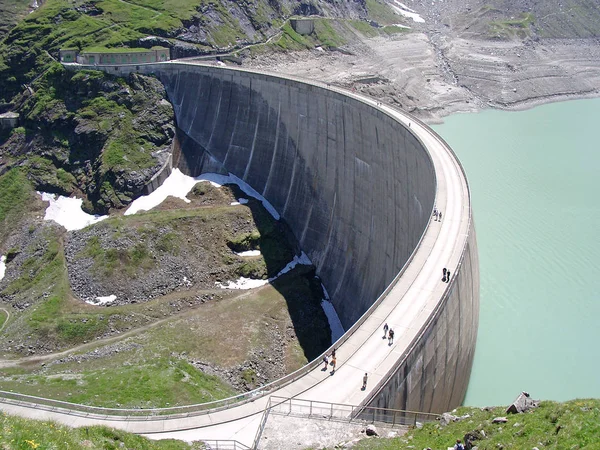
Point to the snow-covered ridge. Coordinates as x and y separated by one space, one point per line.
66 211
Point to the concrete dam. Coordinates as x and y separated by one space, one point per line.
357 183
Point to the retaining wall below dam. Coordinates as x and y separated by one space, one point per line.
357 188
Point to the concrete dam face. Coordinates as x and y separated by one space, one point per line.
357 186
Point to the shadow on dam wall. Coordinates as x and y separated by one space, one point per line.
355 186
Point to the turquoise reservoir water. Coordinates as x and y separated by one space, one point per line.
534 178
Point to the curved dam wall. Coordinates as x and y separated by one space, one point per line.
434 373
355 186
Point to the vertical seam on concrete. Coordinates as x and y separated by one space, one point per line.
329 232
217 113
297 149
308 216
276 146
252 149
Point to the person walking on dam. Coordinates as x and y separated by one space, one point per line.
444 272
333 363
365 378
448 277
326 362
385 330
390 337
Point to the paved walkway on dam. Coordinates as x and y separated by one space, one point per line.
406 308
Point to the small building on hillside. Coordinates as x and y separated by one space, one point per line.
115 56
68 55
303 26
9 120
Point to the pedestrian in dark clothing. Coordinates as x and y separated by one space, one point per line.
448 277
326 362
385 330
459 445
333 362
390 337
440 216
444 272
364 386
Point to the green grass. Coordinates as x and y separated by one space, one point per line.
392 29
381 12
510 28
3 318
16 194
571 425
129 260
327 34
27 434
364 28
43 271
156 383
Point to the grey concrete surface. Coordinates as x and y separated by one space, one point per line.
357 183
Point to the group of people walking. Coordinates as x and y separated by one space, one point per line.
388 334
437 215
327 361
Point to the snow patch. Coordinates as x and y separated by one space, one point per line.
66 211
240 201
102 300
243 283
179 185
405 11
303 259
249 253
249 283
337 329
2 266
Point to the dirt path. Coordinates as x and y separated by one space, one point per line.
32 360
7 317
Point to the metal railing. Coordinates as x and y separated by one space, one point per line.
224 445
261 427
347 413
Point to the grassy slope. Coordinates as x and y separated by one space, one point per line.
24 434
10 13
148 371
571 425
150 368
16 195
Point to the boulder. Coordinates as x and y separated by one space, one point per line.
499 420
522 404
447 418
371 430
472 436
